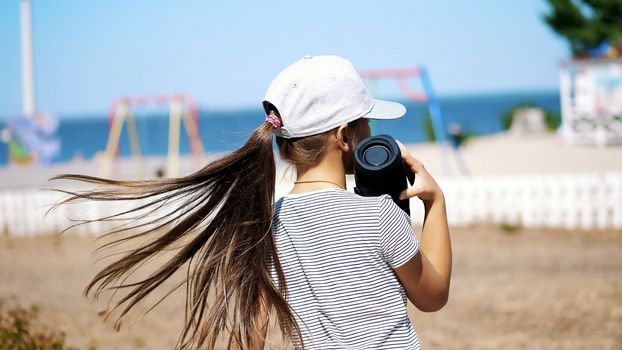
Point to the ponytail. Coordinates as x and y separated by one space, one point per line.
220 231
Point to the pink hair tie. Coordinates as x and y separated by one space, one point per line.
273 120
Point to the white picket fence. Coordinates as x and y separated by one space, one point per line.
570 201
577 201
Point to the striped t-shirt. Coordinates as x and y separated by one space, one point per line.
337 250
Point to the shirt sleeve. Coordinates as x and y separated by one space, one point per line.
398 243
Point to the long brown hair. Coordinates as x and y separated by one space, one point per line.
220 231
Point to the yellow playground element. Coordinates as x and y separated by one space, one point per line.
181 108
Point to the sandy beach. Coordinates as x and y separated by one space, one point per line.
527 289
503 153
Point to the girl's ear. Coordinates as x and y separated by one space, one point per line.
341 138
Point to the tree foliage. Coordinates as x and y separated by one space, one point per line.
586 23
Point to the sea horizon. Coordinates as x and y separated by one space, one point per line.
223 130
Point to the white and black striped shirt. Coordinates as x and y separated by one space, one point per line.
337 250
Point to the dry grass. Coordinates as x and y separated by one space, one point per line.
20 330
524 289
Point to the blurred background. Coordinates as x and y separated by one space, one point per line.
515 108
482 60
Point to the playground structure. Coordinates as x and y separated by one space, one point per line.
591 101
181 108
402 76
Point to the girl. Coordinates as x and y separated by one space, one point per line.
333 269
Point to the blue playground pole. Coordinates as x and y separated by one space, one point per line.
438 123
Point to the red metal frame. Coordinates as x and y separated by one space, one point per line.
402 76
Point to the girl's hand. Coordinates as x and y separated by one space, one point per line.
424 187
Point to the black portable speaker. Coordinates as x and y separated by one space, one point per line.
378 169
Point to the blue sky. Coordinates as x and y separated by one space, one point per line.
225 53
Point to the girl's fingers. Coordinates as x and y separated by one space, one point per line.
410 161
403 149
411 192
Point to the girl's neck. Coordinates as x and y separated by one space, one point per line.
329 169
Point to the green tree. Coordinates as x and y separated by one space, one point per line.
428 127
586 23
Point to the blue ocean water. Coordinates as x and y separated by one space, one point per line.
227 130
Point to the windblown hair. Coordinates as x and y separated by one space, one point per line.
220 231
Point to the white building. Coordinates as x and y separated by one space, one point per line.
591 101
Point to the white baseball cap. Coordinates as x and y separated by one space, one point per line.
318 93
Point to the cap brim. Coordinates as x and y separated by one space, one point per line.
386 110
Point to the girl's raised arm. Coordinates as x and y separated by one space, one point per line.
426 276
